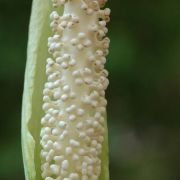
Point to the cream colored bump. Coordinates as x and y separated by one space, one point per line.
58 159
49 178
80 112
65 164
66 88
72 117
74 143
62 124
55 169
64 97
69 151
75 157
81 152
79 125
74 176
57 146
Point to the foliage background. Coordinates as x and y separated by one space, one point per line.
143 96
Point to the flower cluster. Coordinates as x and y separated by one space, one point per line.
73 127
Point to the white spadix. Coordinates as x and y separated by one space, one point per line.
72 141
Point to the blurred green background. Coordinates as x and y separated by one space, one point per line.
143 96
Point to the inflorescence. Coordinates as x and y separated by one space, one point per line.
74 103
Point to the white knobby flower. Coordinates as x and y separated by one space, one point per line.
68 139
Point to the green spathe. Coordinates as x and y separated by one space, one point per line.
34 79
37 53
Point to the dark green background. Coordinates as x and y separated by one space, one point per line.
143 96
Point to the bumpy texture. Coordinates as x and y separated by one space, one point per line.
73 127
